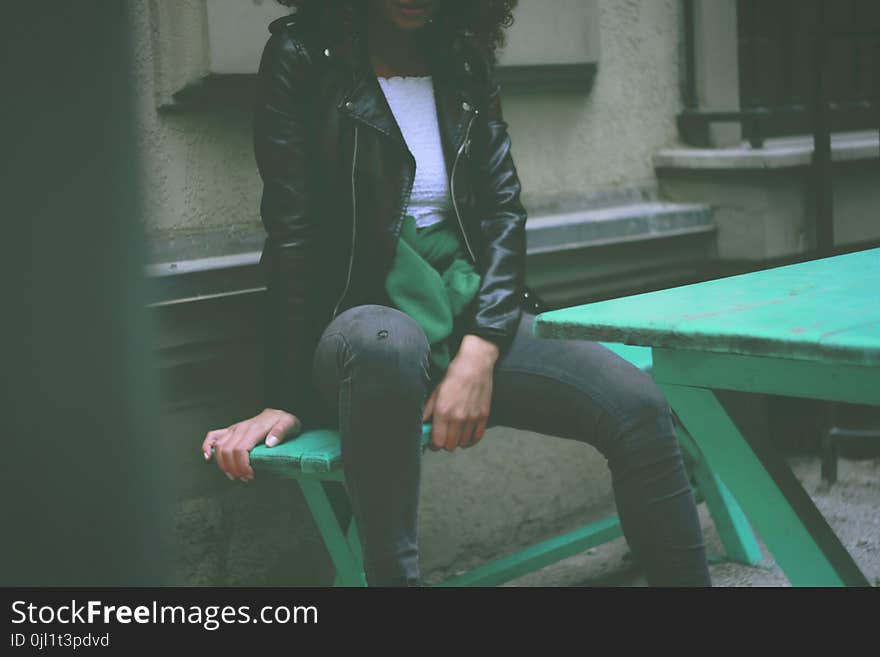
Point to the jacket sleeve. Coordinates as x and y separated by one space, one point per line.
281 147
502 218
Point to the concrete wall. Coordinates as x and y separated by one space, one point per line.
570 145
767 215
201 179
764 199
199 163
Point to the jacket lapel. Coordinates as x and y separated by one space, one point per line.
452 97
365 102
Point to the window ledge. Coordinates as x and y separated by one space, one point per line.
616 225
208 266
778 153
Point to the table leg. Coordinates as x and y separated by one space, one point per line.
797 535
731 524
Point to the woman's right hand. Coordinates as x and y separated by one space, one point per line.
233 444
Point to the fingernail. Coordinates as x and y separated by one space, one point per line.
271 441
245 479
207 455
229 476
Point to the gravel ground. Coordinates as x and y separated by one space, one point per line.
851 506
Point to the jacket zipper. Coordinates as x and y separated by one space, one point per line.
464 144
353 225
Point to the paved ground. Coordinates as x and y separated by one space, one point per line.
851 507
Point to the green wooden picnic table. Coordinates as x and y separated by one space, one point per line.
806 330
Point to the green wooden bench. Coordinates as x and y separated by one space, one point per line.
314 458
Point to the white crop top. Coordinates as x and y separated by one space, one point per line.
411 99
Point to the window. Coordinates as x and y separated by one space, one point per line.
755 63
777 53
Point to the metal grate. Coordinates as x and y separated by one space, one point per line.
781 45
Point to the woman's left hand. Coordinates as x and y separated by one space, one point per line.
461 401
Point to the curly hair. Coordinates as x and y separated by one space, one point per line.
485 20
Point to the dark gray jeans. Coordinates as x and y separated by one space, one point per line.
372 364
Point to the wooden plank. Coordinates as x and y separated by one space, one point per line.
314 451
539 555
855 384
824 309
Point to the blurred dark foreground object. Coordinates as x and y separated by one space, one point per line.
86 488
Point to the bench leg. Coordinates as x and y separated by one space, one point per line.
733 528
537 556
354 544
344 552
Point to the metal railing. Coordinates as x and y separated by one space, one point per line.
782 46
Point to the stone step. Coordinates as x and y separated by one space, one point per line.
616 225
231 267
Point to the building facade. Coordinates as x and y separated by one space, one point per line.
651 154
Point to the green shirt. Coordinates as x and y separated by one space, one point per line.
432 281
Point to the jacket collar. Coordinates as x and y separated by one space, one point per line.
363 99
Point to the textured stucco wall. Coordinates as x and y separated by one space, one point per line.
199 163
767 214
576 145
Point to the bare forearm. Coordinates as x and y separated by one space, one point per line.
483 352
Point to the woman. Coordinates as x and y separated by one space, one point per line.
395 258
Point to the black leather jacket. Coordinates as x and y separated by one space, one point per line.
337 176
